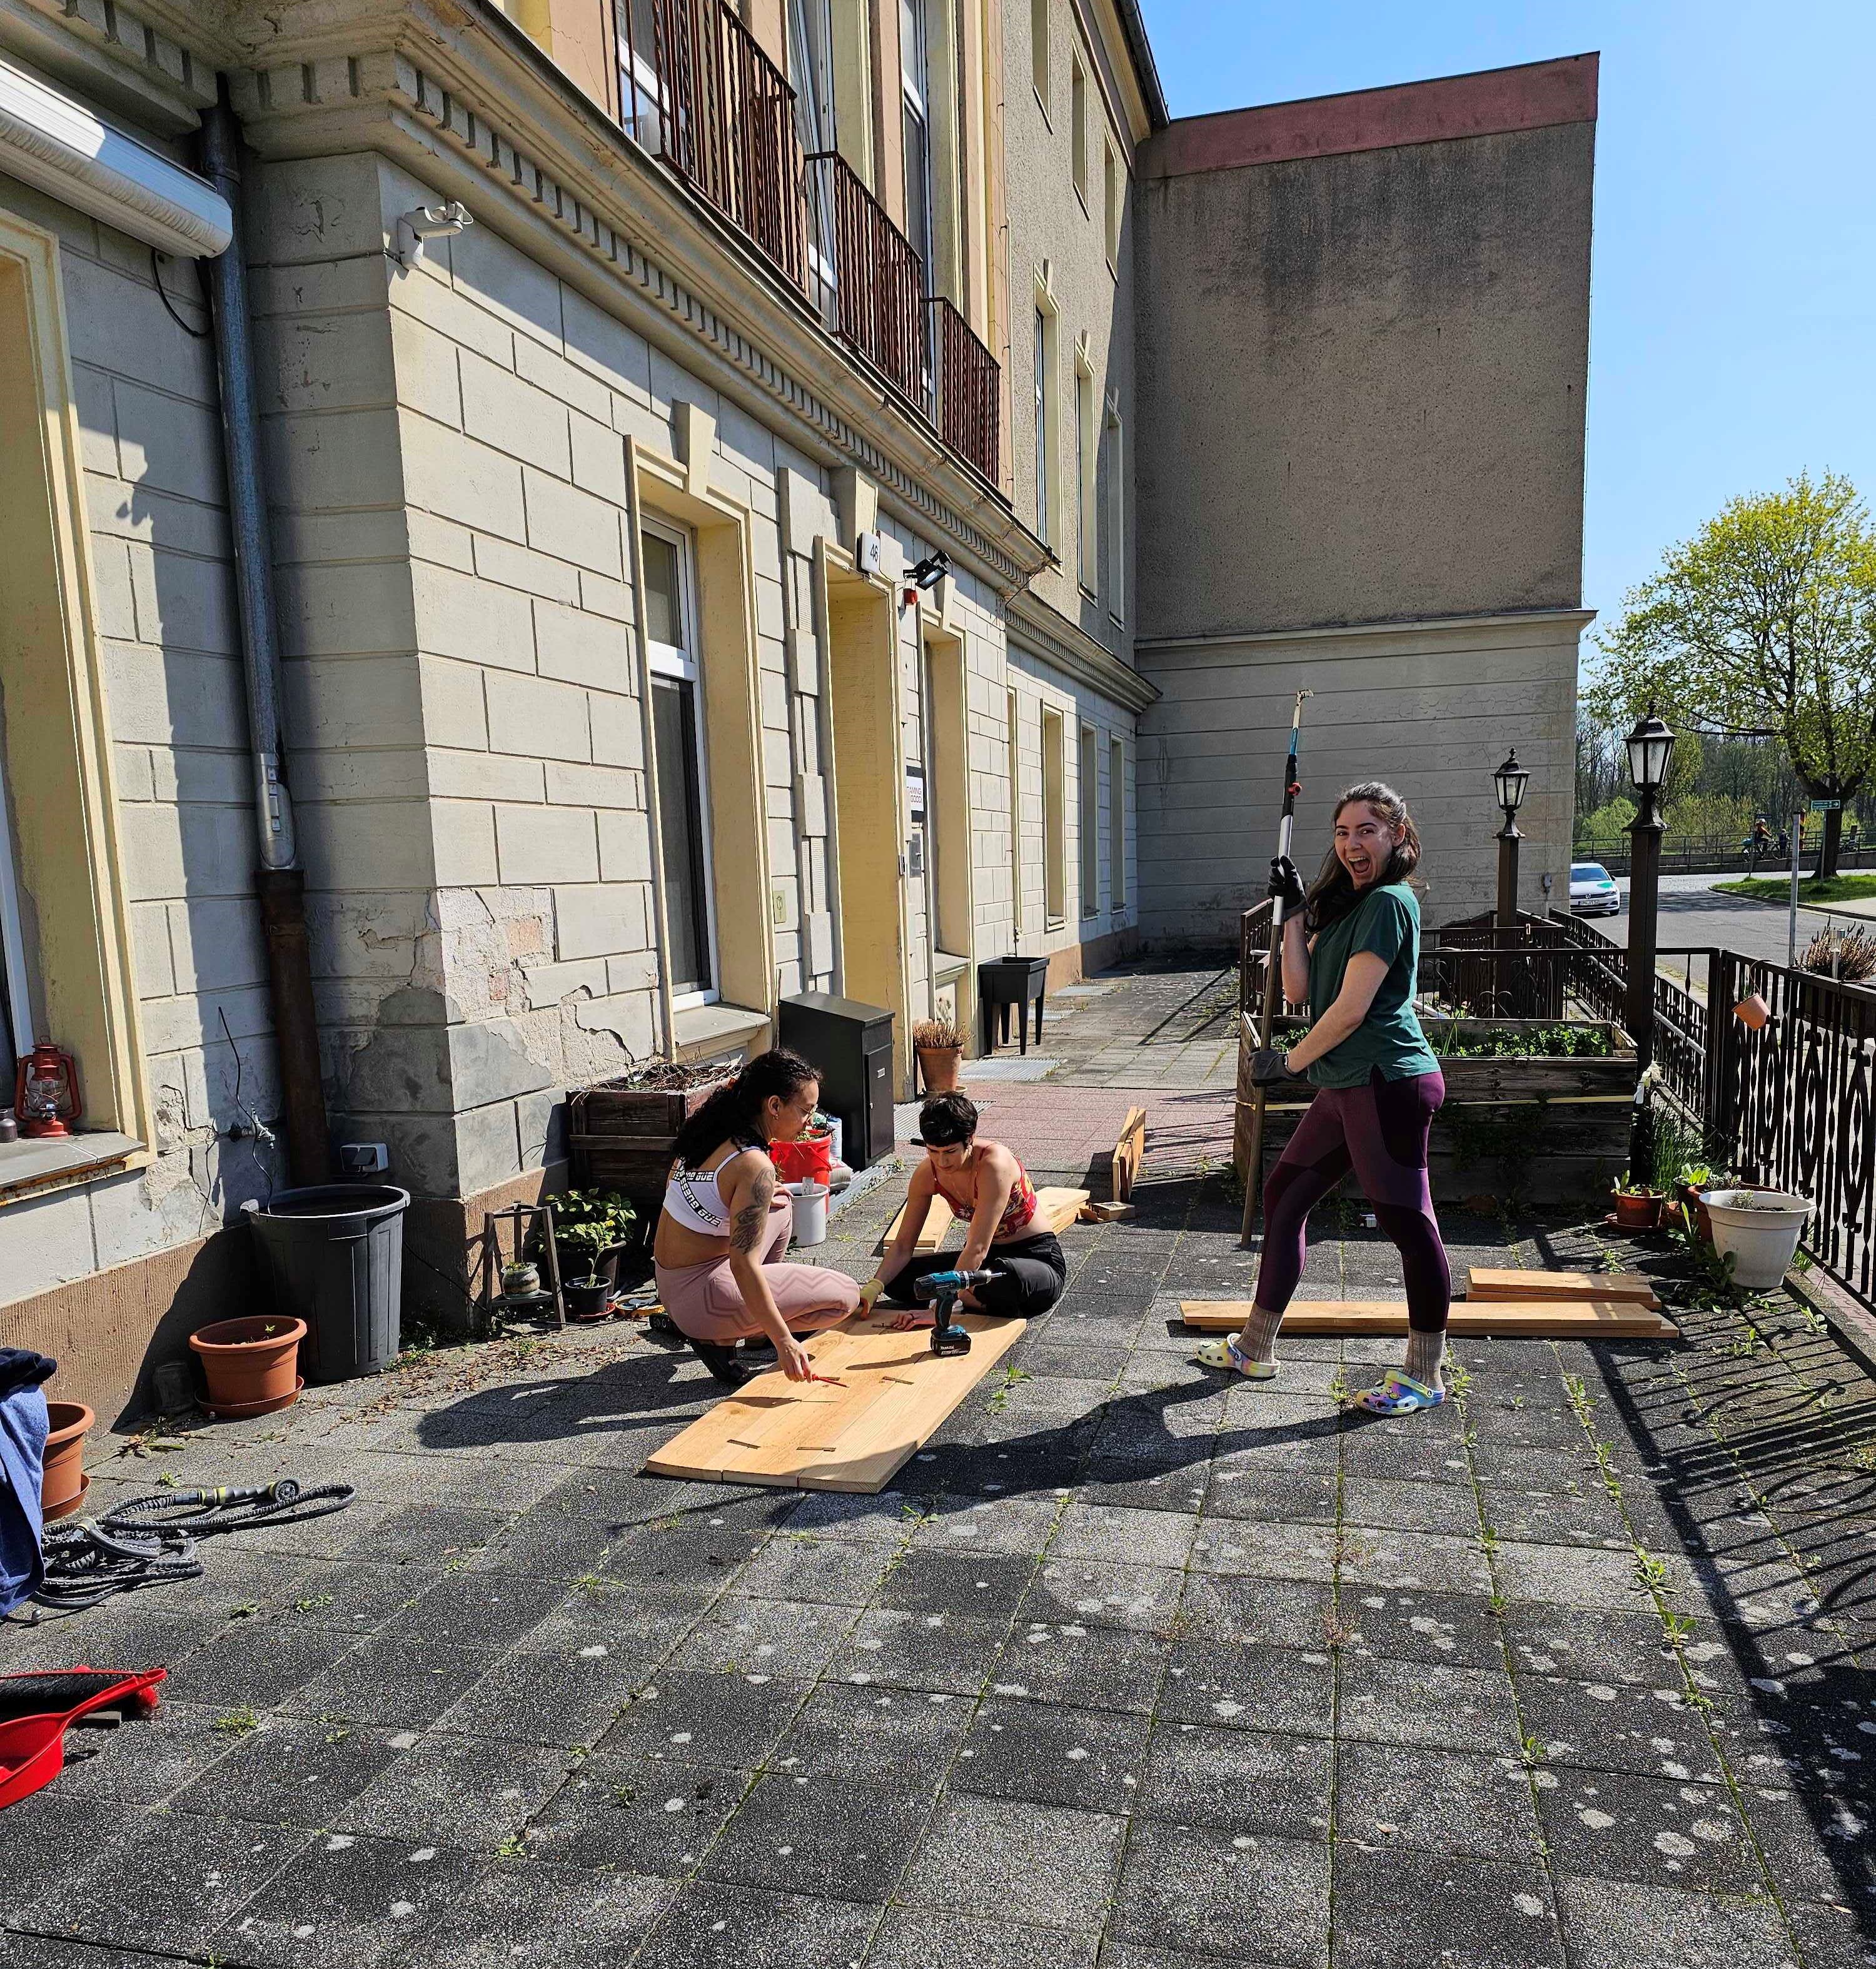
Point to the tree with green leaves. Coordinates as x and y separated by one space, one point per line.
1762 626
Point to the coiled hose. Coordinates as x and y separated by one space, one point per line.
151 1541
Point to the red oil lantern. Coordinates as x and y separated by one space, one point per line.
45 1092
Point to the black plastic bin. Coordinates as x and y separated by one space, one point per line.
333 1256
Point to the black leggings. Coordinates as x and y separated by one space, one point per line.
1029 1277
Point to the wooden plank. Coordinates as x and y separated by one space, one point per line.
1554 1319
1058 1208
1620 1288
1129 1149
854 1437
937 1222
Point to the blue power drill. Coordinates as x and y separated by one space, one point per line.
944 1289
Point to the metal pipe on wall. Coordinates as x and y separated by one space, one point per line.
280 879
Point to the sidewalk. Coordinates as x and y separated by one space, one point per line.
1130 1667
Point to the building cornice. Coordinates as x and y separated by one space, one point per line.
1052 638
1165 650
150 61
460 96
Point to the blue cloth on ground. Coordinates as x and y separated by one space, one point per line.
24 1426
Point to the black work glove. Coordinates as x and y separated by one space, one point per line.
1270 1067
1286 885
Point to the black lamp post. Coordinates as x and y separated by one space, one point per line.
1509 783
1650 747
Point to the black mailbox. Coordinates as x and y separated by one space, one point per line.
852 1044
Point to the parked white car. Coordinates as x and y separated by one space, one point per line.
1593 892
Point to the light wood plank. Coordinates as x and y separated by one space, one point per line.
1619 1288
1058 1208
815 1436
1130 1150
1555 1319
931 1233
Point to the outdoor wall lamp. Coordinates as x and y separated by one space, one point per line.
428 222
925 575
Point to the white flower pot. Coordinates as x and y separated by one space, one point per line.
1759 1229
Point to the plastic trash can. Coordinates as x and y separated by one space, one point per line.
333 1256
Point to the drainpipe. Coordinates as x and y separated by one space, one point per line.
279 879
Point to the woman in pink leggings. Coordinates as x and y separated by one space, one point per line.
726 1223
1352 949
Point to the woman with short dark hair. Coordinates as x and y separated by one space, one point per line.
722 1235
985 1185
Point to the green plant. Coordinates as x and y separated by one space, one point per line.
586 1223
1551 1042
238 1722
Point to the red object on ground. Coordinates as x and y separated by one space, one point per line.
36 1710
808 1160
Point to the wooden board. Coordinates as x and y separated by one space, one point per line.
1554 1319
1058 1208
1614 1288
937 1222
819 1437
1129 1149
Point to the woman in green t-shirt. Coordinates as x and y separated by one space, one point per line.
1351 947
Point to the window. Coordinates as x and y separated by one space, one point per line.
811 70
641 89
1111 204
678 737
1078 129
1113 580
1013 749
1039 51
1045 491
1088 528
1117 824
915 118
1054 843
1088 769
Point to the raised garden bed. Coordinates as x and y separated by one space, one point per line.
623 1134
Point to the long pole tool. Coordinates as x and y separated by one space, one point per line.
1272 986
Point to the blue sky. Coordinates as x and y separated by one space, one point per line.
1733 313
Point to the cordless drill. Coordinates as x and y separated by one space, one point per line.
945 1288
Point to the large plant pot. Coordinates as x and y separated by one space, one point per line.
1759 1230
62 1481
252 1365
938 1068
623 1138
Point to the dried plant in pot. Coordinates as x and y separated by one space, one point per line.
252 1365
940 1048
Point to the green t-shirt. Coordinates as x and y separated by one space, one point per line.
1386 921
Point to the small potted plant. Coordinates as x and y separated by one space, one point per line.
252 1365
1690 1181
940 1048
1638 1206
591 1230
521 1279
589 1298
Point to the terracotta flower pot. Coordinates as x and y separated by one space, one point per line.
938 1066
1637 1210
251 1364
62 1481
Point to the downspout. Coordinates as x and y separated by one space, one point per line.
279 879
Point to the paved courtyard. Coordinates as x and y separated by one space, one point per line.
1129 1667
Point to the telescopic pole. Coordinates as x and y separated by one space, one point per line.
1273 984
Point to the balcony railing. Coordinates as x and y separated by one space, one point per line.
964 387
877 276
706 99
697 90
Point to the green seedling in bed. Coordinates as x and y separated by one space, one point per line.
1462 1382
1531 1751
238 1722
1651 1574
1678 1627
1012 1377
513 1847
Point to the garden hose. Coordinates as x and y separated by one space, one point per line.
151 1541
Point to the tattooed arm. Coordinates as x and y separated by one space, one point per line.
751 1190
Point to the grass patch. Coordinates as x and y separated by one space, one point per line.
1777 888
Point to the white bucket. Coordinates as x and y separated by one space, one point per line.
1760 1230
810 1202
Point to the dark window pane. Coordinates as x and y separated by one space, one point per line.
664 621
674 731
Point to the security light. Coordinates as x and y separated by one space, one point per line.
928 572
427 223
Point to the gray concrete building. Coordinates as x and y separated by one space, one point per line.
541 686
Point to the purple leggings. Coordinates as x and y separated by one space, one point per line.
1379 1132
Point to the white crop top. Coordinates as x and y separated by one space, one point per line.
693 1198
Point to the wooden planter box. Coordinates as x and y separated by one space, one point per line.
623 1138
1546 1127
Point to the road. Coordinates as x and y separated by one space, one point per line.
1694 913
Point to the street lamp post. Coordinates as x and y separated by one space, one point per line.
1650 747
1509 783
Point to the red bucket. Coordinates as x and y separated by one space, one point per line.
808 1160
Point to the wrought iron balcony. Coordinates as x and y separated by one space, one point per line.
697 90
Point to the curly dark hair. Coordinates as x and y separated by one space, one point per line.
730 1114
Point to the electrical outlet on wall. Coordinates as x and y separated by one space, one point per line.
364 1158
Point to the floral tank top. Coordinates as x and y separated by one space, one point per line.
1018 1213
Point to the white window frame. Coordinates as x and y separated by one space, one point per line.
1113 521
640 82
1045 490
1013 715
915 95
1039 53
1088 787
684 665
1111 203
1116 822
13 940
1078 126
811 63
1054 819
1087 438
